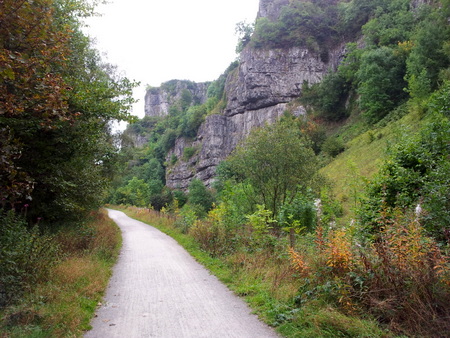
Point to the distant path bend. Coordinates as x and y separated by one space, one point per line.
159 290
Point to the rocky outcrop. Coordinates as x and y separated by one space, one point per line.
266 78
259 91
158 100
271 8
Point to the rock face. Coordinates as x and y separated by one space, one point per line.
266 78
159 100
271 8
259 91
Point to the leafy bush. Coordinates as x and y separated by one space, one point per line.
381 77
136 192
180 197
416 173
26 256
403 278
328 97
333 146
212 234
186 218
299 214
200 196
161 200
301 23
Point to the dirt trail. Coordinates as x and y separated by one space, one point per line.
159 290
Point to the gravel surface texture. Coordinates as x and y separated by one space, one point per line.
159 290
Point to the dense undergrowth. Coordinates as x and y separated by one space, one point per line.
62 277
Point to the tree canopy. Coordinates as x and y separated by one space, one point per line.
277 161
56 101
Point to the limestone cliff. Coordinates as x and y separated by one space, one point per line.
158 100
258 91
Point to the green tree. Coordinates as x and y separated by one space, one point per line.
57 99
136 192
278 162
200 196
244 32
328 97
428 55
381 77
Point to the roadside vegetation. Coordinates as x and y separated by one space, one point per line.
57 157
57 281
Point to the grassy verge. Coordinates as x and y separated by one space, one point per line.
267 280
64 303
363 156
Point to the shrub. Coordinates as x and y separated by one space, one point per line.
211 236
188 152
180 197
200 196
26 256
416 173
402 278
381 77
161 200
405 279
328 97
333 146
185 218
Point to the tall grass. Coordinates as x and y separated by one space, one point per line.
63 304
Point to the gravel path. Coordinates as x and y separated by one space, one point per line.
159 290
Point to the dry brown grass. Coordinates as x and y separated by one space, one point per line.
62 306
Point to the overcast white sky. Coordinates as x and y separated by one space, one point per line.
154 41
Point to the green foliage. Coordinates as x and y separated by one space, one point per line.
277 173
333 146
187 217
440 100
299 215
26 256
355 13
188 152
327 97
391 24
301 23
416 173
63 302
244 32
234 196
200 196
167 140
428 56
381 82
191 121
136 192
58 98
186 99
161 199
180 197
